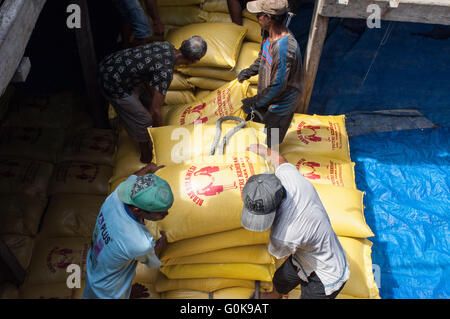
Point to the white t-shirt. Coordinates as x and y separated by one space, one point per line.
119 241
302 229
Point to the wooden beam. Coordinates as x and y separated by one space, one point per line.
86 49
317 34
10 266
420 11
18 18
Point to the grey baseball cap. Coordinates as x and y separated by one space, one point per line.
262 195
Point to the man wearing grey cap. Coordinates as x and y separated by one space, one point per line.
301 231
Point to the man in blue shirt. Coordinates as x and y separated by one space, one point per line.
121 239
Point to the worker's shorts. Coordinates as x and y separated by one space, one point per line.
286 279
133 115
133 13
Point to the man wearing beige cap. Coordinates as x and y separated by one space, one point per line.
279 69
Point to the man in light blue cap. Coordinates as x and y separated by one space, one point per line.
121 239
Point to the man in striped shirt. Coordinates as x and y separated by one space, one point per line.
278 67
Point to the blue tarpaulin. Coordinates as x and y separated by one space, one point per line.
406 178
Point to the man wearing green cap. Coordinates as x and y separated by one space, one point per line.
121 239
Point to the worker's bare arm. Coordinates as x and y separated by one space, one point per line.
275 158
150 168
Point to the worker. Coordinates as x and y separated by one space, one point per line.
121 239
144 72
300 232
278 67
135 21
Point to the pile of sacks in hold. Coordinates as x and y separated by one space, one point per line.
209 254
54 169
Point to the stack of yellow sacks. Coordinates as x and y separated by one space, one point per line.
236 47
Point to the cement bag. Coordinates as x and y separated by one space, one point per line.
78 177
249 53
52 256
90 145
179 82
345 210
163 284
252 90
253 27
202 244
179 97
231 271
24 176
317 134
175 144
251 16
256 254
21 247
207 196
52 111
223 50
184 294
42 144
215 6
152 294
46 291
145 274
72 215
323 170
200 94
180 16
127 159
233 293
209 72
113 185
8 291
21 214
361 283
221 102
207 83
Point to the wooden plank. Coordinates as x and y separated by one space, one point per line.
420 11
86 49
18 18
10 266
317 34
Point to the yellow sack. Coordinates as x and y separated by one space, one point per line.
113 185
175 144
46 291
251 16
90 145
215 6
361 283
179 82
252 90
36 143
24 176
231 271
209 72
72 215
174 3
202 244
163 284
200 94
223 50
234 293
248 55
323 170
127 159
52 256
21 214
345 210
317 134
207 83
179 97
180 16
255 254
221 102
21 247
184 294
78 177
145 274
8 291
207 196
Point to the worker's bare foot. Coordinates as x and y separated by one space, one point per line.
146 152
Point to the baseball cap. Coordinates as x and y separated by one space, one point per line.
274 7
148 192
262 195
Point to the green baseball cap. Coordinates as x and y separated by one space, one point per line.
148 192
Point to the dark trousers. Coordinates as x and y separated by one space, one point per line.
275 122
286 279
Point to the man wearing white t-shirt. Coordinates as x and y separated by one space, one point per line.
301 231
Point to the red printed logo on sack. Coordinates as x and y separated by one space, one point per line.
79 170
311 129
311 165
191 110
61 258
